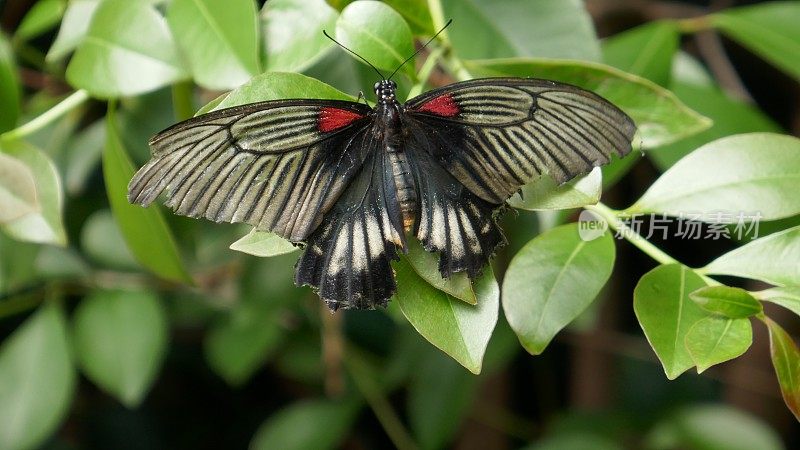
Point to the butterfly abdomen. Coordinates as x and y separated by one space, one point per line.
404 185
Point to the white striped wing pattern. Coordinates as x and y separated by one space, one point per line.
501 133
265 164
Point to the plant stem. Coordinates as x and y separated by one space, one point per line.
694 24
68 104
182 102
437 17
613 220
383 410
425 72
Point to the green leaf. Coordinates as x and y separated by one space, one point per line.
660 117
508 28
666 314
553 279
218 39
263 243
416 13
44 225
646 50
770 30
17 189
120 341
113 60
290 428
74 27
786 361
455 327
440 394
102 241
144 229
717 339
774 259
37 380
9 87
292 33
43 15
242 342
714 427
545 194
276 86
740 174
82 154
730 117
376 32
788 297
731 302
426 264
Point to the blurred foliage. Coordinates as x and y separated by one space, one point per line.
171 320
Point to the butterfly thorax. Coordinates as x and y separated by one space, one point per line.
388 112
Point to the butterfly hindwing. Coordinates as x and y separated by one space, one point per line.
348 258
278 166
451 220
496 134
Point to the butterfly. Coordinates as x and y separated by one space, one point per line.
347 182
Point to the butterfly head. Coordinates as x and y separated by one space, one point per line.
385 90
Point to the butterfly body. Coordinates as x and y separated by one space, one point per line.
348 182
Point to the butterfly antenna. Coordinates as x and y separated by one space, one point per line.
354 53
420 49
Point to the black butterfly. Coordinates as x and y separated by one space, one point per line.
347 181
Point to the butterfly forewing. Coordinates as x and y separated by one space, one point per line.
278 166
495 135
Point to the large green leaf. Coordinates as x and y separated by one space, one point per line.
730 117
292 33
240 343
545 194
43 15
774 259
275 86
44 225
730 302
666 313
74 26
717 339
742 174
144 229
17 189
646 50
455 327
769 29
120 341
9 87
786 361
508 28
712 427
426 264
218 39
37 380
376 32
309 424
114 60
551 280
660 117
416 13
788 297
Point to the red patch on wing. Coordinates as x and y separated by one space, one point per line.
331 119
443 105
